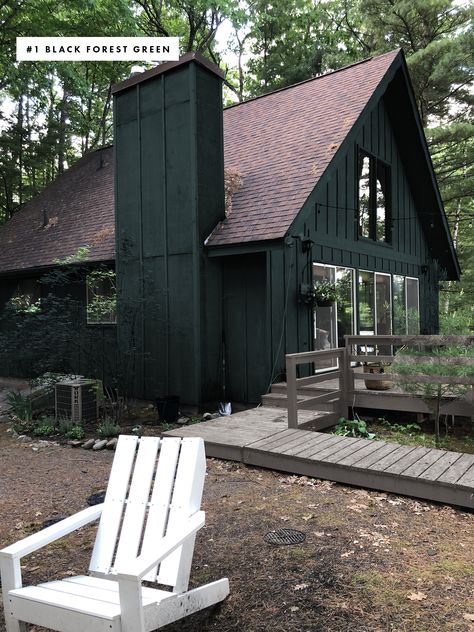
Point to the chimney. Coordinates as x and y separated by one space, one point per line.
169 195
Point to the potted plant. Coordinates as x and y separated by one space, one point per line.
375 368
322 293
326 292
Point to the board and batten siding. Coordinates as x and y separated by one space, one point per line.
329 218
169 196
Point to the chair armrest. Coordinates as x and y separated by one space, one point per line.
54 532
139 567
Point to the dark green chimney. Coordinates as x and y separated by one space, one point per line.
169 192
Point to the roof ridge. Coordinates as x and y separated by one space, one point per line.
299 83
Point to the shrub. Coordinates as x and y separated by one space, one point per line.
108 428
20 406
353 428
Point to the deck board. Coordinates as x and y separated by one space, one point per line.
261 437
457 470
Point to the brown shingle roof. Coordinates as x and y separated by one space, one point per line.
281 143
75 210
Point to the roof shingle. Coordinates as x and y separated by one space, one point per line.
281 143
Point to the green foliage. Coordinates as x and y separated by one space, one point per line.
101 296
457 321
409 429
441 363
70 429
44 428
80 256
76 432
20 406
108 428
353 428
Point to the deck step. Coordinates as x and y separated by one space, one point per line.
279 400
310 390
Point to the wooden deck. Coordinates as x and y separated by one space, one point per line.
260 436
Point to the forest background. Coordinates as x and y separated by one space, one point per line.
53 112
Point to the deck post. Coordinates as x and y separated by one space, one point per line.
291 392
348 377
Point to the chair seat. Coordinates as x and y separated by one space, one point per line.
76 599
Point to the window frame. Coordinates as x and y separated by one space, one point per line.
374 164
88 318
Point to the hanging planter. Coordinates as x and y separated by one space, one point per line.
324 302
322 293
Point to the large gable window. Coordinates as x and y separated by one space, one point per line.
373 197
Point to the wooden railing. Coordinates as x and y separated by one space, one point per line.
335 399
360 350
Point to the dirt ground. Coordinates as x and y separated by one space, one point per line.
370 562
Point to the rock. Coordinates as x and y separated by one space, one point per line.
87 445
24 438
111 444
182 420
98 445
207 416
75 443
97 498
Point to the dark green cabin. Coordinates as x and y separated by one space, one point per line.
333 186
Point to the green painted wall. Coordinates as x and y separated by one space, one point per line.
169 196
85 349
246 339
329 219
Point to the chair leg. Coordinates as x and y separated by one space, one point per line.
131 606
10 572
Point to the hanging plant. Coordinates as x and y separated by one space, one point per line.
323 293
326 292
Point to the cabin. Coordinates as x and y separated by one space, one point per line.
228 229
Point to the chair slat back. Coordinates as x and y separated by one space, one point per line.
154 485
161 498
185 500
114 502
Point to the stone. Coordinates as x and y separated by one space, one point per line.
24 438
182 421
97 498
75 443
100 444
87 445
111 444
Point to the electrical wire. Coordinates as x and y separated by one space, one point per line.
348 209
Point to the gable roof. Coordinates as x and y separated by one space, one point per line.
76 209
281 143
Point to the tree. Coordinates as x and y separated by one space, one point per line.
438 374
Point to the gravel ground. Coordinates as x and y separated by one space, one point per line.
370 562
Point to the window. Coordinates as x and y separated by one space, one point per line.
27 296
374 198
375 303
406 305
101 298
332 322
413 306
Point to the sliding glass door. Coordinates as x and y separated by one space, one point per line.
332 321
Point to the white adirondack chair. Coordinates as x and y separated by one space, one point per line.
148 524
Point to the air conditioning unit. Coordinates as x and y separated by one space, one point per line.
76 399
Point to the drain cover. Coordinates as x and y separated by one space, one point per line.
285 536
